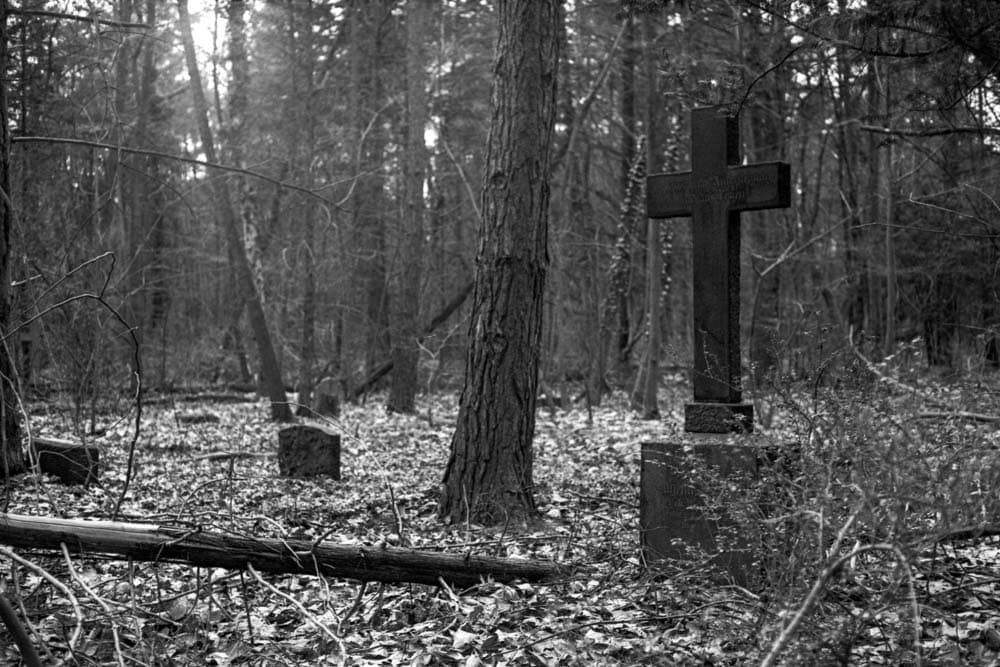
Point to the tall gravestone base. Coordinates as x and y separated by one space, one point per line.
673 507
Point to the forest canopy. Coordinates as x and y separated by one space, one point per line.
887 112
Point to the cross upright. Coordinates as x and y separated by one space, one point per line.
713 194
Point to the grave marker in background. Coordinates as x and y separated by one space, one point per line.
306 450
713 194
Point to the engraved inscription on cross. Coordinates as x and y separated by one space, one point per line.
713 194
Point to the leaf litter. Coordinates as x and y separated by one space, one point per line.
610 610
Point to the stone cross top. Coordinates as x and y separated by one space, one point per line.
713 194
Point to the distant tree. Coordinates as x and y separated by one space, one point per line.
406 309
489 474
369 30
647 382
11 451
270 370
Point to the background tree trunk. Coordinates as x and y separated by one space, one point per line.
647 382
366 23
405 351
489 474
11 452
622 264
270 371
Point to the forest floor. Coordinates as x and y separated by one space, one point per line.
610 610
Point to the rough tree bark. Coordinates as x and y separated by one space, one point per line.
270 371
489 474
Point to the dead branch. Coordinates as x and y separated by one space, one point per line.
149 542
970 416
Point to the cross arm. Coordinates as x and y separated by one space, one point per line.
761 186
754 187
667 195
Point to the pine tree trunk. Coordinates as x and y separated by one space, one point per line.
403 390
270 371
365 24
887 207
11 452
489 474
149 238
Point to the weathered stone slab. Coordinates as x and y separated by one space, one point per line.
307 451
672 502
70 462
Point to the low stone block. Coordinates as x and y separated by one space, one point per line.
70 462
307 451
673 502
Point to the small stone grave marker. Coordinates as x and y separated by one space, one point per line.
306 450
70 462
713 194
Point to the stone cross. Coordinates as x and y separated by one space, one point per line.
713 194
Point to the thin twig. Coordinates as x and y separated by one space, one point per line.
462 177
246 605
75 637
887 379
813 597
104 605
396 513
27 620
358 599
914 605
78 17
970 416
189 160
21 638
302 610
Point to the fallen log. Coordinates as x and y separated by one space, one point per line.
150 542
970 416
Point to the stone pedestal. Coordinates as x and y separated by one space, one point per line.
672 501
307 451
